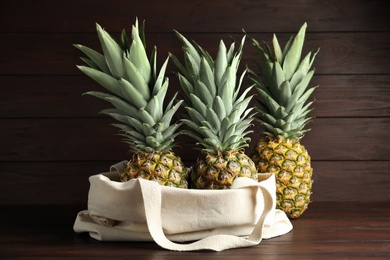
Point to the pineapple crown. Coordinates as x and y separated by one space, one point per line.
135 89
217 113
283 87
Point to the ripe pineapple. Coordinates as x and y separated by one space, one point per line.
283 112
137 92
217 114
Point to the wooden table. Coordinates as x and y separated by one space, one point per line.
325 231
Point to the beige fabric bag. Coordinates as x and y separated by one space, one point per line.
141 210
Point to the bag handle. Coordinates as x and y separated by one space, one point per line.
151 195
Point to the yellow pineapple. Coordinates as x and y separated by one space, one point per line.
283 112
217 114
137 92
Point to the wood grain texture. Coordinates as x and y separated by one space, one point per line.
195 15
93 139
324 231
50 96
66 183
54 54
52 137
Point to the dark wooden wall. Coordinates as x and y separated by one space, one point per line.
52 138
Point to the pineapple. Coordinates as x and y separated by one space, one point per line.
137 92
217 114
283 112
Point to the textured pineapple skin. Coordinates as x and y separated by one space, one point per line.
165 168
290 162
219 171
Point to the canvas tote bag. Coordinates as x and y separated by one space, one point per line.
182 219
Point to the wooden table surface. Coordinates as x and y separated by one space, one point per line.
325 231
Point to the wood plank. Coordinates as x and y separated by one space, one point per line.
54 183
195 16
93 139
66 183
355 139
352 231
341 53
60 139
49 234
48 96
266 250
351 96
61 96
339 139
345 181
347 225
